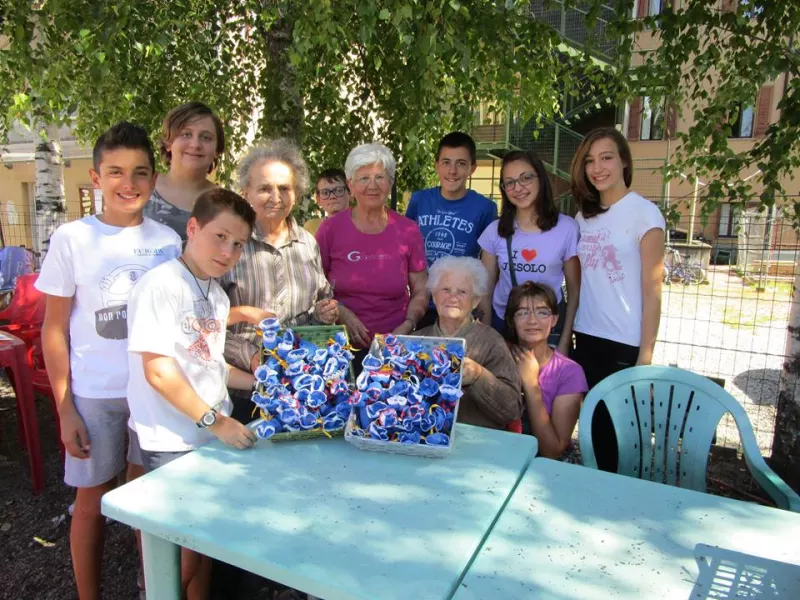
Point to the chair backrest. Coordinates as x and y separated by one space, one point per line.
27 306
664 419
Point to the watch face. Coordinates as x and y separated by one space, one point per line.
209 418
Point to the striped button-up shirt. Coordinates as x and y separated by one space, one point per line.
286 280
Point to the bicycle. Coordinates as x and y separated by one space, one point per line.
678 270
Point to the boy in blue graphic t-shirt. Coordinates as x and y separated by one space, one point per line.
450 216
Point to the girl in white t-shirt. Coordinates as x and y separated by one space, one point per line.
621 251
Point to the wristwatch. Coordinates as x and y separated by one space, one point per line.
208 419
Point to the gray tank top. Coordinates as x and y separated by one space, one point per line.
161 210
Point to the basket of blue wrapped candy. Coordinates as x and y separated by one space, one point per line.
304 382
406 398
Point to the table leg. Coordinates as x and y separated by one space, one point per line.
162 568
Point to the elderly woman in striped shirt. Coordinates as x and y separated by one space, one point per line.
280 271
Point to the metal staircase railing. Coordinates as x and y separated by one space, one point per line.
571 23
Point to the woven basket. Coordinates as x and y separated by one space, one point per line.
396 447
319 335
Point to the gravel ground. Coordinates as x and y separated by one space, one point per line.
726 329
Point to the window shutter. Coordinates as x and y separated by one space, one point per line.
763 110
671 121
635 120
643 9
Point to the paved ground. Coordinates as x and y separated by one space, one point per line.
726 329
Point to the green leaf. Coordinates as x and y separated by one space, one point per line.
384 14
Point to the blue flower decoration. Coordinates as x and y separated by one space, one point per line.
296 355
377 432
456 349
372 363
428 387
409 438
450 393
332 421
437 439
267 429
316 399
270 325
307 421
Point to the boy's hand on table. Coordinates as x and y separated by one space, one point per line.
232 433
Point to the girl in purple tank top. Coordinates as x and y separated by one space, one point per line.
553 385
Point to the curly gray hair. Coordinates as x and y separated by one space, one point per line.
369 154
460 264
279 150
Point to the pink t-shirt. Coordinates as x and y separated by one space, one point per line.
538 257
369 272
559 377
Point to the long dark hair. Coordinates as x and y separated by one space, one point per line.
583 192
546 211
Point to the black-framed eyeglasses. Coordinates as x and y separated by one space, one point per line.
524 179
336 192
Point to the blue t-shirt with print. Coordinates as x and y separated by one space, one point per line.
450 227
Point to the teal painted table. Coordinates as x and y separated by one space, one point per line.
324 517
570 532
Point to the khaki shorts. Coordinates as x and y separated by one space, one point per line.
106 421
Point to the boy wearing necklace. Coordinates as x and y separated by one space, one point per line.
88 274
178 385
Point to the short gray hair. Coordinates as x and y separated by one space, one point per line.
277 150
369 154
460 264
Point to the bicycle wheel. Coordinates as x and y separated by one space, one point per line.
693 275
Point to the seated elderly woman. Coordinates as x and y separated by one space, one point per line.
553 385
489 378
372 255
280 272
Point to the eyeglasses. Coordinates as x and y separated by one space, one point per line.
539 313
524 179
336 192
379 180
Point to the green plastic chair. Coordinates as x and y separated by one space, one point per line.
665 419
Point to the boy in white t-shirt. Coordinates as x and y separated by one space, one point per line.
88 274
177 390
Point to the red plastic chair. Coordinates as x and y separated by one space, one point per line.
14 359
26 309
39 378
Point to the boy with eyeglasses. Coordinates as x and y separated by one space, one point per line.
450 216
332 195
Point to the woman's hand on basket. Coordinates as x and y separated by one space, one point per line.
356 330
327 311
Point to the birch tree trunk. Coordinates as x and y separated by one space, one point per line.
49 197
786 441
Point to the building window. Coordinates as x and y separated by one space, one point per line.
654 7
652 120
728 220
742 127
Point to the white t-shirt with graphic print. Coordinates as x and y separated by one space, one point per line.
169 315
99 265
611 269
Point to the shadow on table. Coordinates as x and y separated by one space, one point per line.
728 574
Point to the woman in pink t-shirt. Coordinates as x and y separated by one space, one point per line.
553 385
374 257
